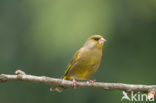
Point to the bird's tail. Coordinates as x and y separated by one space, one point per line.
65 78
60 88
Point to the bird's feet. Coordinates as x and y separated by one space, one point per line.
74 83
91 81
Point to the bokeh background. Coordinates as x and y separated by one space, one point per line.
41 36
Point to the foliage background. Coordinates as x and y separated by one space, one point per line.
41 36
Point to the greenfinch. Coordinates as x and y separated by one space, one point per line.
85 61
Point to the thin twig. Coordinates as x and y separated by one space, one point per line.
21 76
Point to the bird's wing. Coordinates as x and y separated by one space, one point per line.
73 61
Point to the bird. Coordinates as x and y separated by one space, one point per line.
85 61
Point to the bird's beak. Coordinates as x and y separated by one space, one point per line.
102 40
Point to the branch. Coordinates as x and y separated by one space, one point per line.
21 76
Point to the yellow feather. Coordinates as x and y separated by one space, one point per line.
76 57
86 61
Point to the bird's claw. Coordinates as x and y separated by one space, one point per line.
91 81
74 83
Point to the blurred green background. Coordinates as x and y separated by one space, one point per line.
41 36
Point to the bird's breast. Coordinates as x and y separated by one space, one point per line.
87 64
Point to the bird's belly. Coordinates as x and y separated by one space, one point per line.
84 70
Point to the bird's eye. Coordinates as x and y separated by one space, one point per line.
96 39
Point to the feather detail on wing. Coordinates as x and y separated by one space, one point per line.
74 60
65 77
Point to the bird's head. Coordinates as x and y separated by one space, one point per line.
95 41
